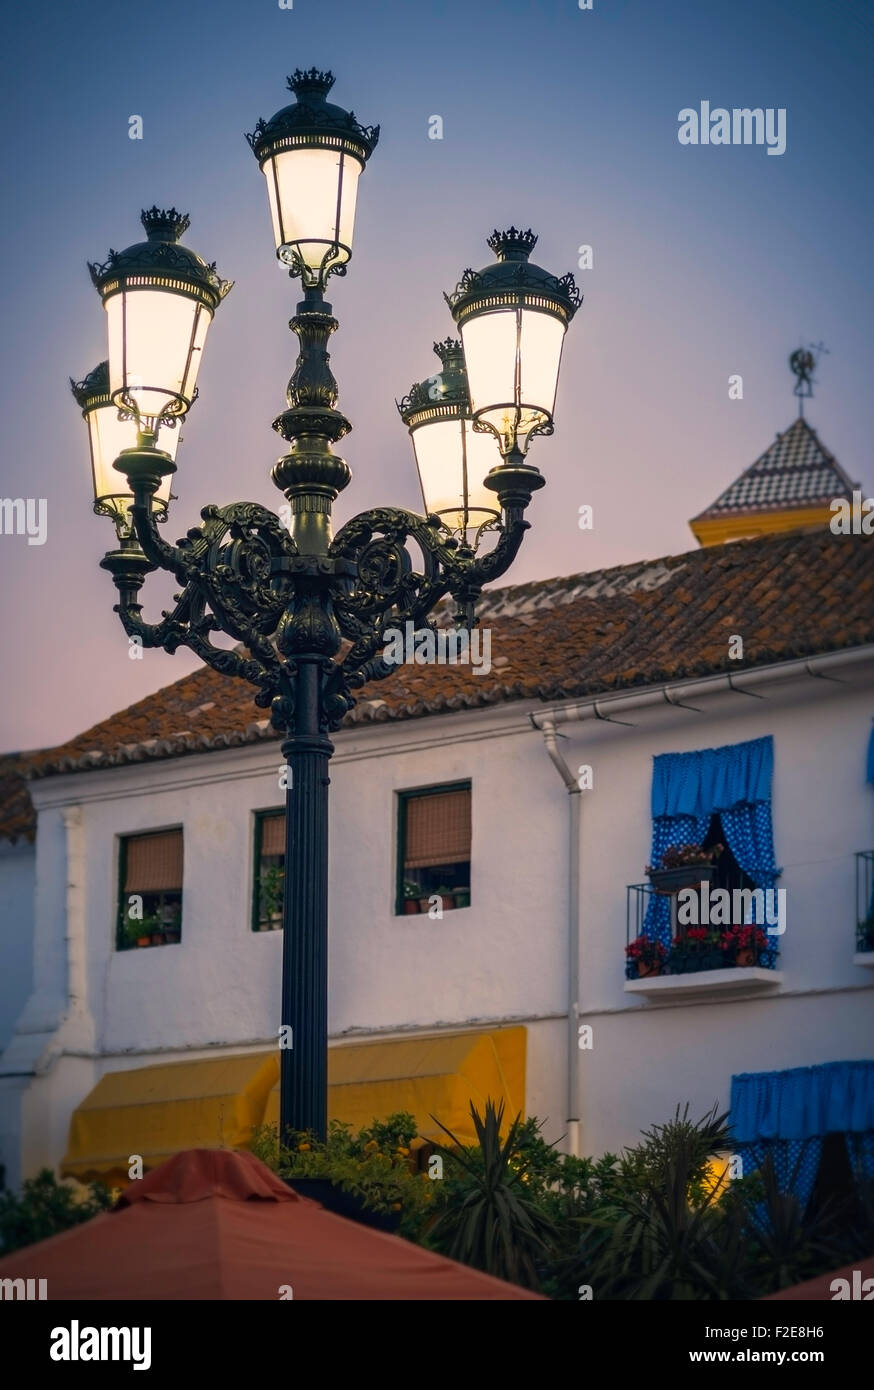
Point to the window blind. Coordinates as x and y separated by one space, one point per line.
273 834
437 829
153 863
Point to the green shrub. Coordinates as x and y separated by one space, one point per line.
44 1208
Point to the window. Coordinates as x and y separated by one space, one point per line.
269 884
727 873
433 848
150 896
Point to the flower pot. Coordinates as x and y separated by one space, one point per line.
172 934
410 905
746 956
157 938
447 902
424 904
462 897
144 941
686 876
646 967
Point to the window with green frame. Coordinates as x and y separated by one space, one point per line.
269 877
150 889
433 848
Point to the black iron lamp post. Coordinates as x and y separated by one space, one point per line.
309 610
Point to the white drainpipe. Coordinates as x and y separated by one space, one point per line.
611 708
550 738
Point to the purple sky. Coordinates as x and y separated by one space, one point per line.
707 262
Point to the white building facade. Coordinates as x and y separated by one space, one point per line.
540 948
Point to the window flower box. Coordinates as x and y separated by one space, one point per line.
685 958
683 866
683 876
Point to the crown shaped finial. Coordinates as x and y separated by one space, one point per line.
164 224
310 83
512 245
450 353
95 384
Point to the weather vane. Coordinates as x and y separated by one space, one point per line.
803 363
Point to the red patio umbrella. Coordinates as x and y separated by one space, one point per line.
852 1288
212 1224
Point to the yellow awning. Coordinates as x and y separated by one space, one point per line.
435 1075
156 1111
216 1102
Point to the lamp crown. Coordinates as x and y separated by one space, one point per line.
164 224
310 83
451 354
512 245
94 386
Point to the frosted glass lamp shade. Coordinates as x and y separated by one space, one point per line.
107 437
453 460
312 195
512 357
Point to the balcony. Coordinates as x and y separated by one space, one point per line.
702 960
864 909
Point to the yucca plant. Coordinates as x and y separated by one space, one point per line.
488 1220
791 1243
665 1235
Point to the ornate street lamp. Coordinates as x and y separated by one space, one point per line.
159 299
310 610
513 316
451 457
311 154
109 434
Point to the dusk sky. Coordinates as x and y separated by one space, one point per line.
708 261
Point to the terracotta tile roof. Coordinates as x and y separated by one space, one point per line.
788 595
16 812
795 471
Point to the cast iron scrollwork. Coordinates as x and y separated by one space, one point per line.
241 574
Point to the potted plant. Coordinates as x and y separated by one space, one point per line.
682 866
697 948
865 934
645 956
462 897
171 926
744 944
270 897
446 896
411 896
138 931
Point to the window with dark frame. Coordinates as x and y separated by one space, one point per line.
150 890
269 878
433 848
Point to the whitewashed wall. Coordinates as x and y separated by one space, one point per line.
502 959
17 869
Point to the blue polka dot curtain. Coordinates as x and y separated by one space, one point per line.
787 1114
688 789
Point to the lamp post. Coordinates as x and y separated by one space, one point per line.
309 610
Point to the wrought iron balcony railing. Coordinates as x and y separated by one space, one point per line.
658 943
865 900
